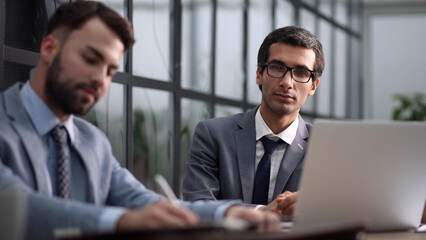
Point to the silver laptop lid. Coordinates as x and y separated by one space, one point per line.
13 215
374 172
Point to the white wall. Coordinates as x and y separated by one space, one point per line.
394 56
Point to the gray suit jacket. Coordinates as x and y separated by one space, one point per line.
23 167
222 159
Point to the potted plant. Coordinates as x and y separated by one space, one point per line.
411 107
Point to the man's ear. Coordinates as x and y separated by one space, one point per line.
314 87
49 48
259 78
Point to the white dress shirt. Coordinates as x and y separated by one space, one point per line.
287 136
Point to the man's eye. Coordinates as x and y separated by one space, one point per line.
300 72
90 60
276 67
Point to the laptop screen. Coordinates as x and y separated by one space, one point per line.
364 171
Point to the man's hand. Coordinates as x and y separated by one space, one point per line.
284 204
264 221
158 215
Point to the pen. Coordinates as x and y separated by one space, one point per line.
233 224
165 188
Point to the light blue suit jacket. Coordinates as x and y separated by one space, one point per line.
222 159
23 167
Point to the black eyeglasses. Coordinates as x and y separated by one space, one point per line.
298 74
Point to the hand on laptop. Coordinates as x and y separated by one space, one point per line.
162 214
284 204
263 221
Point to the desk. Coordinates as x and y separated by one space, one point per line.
349 233
214 233
408 235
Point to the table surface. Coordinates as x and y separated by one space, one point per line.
407 235
348 233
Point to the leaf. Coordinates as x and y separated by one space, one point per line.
411 107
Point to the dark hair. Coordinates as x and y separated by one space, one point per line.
71 16
295 36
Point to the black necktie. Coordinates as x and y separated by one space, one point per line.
261 180
60 135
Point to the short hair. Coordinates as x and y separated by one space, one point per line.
295 36
71 16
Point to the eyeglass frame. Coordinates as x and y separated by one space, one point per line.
266 65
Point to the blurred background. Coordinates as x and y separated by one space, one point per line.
196 59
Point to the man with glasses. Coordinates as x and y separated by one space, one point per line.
258 156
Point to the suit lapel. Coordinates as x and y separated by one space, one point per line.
245 139
292 156
29 138
89 161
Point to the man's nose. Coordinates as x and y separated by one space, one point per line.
99 75
286 81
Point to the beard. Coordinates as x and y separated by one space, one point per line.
64 91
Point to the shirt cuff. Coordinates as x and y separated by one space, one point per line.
258 207
219 212
109 218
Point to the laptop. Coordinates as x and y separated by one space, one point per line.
366 172
13 215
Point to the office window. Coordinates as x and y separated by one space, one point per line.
284 14
340 73
341 13
354 108
336 24
223 110
324 90
310 2
118 6
260 24
151 50
151 133
308 21
310 101
108 115
194 111
229 71
326 7
26 23
193 60
14 72
196 45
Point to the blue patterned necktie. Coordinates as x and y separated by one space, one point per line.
261 180
60 135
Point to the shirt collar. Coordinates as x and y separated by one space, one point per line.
43 118
287 135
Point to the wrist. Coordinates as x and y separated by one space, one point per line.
123 222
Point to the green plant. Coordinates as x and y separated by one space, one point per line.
412 107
